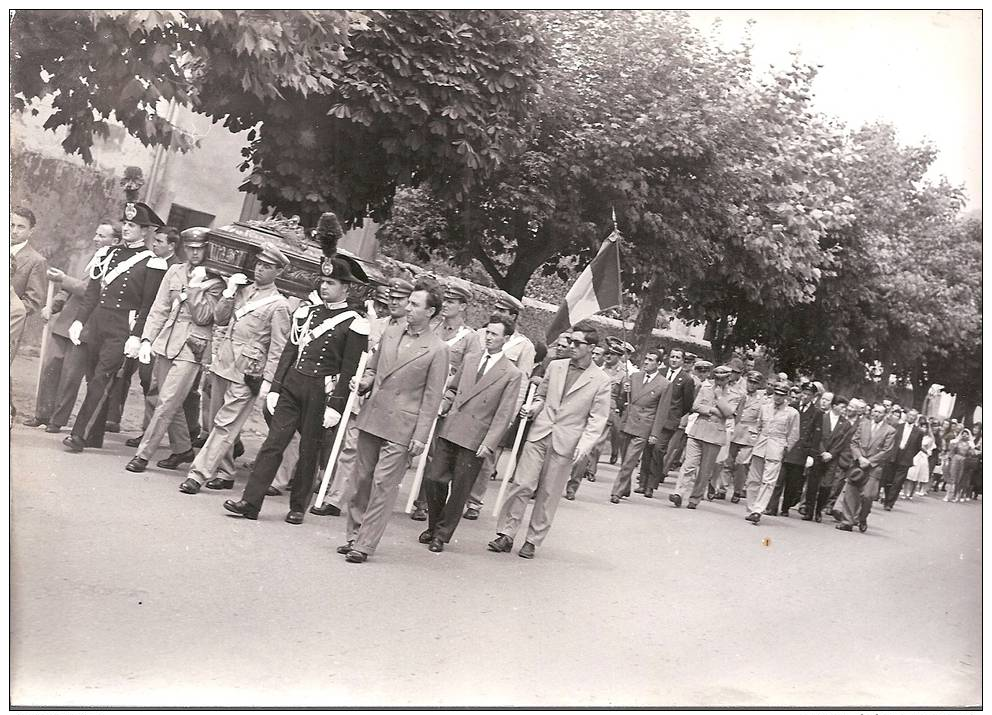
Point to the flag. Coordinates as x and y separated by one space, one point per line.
596 289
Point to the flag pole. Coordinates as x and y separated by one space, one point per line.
623 316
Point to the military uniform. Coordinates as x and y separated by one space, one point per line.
253 326
119 295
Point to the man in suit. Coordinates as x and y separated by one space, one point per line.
871 448
65 305
778 432
789 487
908 440
177 333
253 326
477 408
28 266
743 436
647 409
681 394
309 387
520 351
570 410
406 377
831 456
111 317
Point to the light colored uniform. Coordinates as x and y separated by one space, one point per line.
705 434
778 431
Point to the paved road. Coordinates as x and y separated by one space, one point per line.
126 592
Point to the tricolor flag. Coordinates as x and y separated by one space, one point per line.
596 289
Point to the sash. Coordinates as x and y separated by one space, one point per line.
462 332
124 267
324 327
256 304
514 346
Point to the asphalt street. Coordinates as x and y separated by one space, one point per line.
125 592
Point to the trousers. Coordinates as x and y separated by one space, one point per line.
174 379
107 330
632 448
761 478
450 476
789 487
75 366
854 502
541 472
697 467
231 405
379 469
51 374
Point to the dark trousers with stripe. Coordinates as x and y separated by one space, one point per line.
106 332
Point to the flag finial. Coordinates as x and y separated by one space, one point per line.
613 209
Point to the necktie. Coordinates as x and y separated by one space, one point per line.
669 378
482 367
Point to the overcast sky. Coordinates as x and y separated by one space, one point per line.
918 70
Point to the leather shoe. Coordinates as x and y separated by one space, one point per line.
844 527
613 459
526 551
137 464
436 545
174 460
198 441
614 499
471 514
887 508
649 493
785 512
241 508
735 499
863 527
570 496
294 517
73 443
501 543
591 477
425 536
419 515
691 505
720 496
270 492
218 483
356 557
53 429
639 490
134 441
239 448
769 512
325 510
675 499
836 515
189 486
808 518
754 518
818 517
35 422
345 548
113 427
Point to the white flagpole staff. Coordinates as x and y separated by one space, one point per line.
418 477
45 332
342 428
512 465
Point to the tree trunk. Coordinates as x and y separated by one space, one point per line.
651 302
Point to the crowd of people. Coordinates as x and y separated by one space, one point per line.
362 383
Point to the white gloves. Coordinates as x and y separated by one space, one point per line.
329 384
131 346
54 274
233 282
145 352
331 417
271 400
74 332
197 276
263 390
809 462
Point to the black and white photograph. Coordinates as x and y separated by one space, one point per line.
495 359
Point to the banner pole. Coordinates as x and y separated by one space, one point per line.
342 428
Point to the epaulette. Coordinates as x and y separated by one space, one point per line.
360 325
157 263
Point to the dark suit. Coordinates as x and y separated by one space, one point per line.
789 487
647 410
820 477
681 394
902 460
481 410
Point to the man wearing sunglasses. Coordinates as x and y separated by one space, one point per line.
570 412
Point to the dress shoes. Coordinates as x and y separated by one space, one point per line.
199 441
887 508
639 490
863 527
113 427
218 483
649 493
691 505
53 429
173 461
419 514
836 515
356 557
736 498
501 544
590 476
675 499
134 441
137 464
73 443
526 551
239 448
844 527
802 509
436 545
426 536
35 422
754 518
241 508
325 510
769 512
613 459
818 517
345 548
189 486
270 492
614 499
785 512
570 496
720 496
294 517
471 514
808 518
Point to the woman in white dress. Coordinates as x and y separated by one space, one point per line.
918 475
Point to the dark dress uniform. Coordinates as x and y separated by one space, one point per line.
111 313
312 354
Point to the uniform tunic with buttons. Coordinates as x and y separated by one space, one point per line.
182 312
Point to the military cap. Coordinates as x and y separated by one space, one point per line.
457 289
399 288
755 376
141 214
735 364
781 388
811 387
690 357
271 254
628 348
721 371
703 365
339 267
614 345
195 237
382 292
506 301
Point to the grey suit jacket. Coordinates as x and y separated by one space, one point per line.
482 411
575 419
407 389
647 407
29 280
876 449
